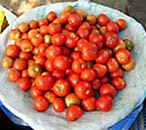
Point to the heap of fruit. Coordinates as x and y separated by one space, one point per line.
74 61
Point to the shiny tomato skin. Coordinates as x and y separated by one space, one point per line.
61 87
122 23
123 56
74 78
130 65
58 74
111 39
34 70
103 20
24 83
37 40
112 27
88 74
44 30
12 51
20 64
42 22
14 34
83 32
70 28
98 39
50 96
119 83
89 51
25 55
40 60
100 69
112 65
44 82
61 63
51 16
40 104
7 62
72 40
13 75
58 105
58 39
78 65
54 28
89 104
72 99
52 52
35 92
75 20
83 89
63 17
33 24
75 55
104 103
23 27
26 45
73 112
118 73
96 84
80 43
42 49
102 57
107 89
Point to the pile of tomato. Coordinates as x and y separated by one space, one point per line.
75 61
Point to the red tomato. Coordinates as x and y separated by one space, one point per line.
73 112
72 40
58 74
103 30
51 16
104 79
44 30
80 43
42 22
12 51
54 28
78 65
103 20
50 96
88 74
100 69
89 104
14 34
7 62
70 28
104 103
107 89
44 82
25 55
119 83
58 39
24 83
130 65
122 23
63 17
96 84
83 89
40 104
102 57
24 36
20 64
61 62
72 99
23 27
111 40
61 87
69 9
58 105
40 60
112 27
35 92
83 32
34 70
118 73
26 45
112 65
89 51
123 56
75 55
32 33
42 49
85 25
33 24
75 20
53 51
98 39
91 18
37 40
13 75
74 79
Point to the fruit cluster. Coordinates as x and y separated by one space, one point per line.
74 61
